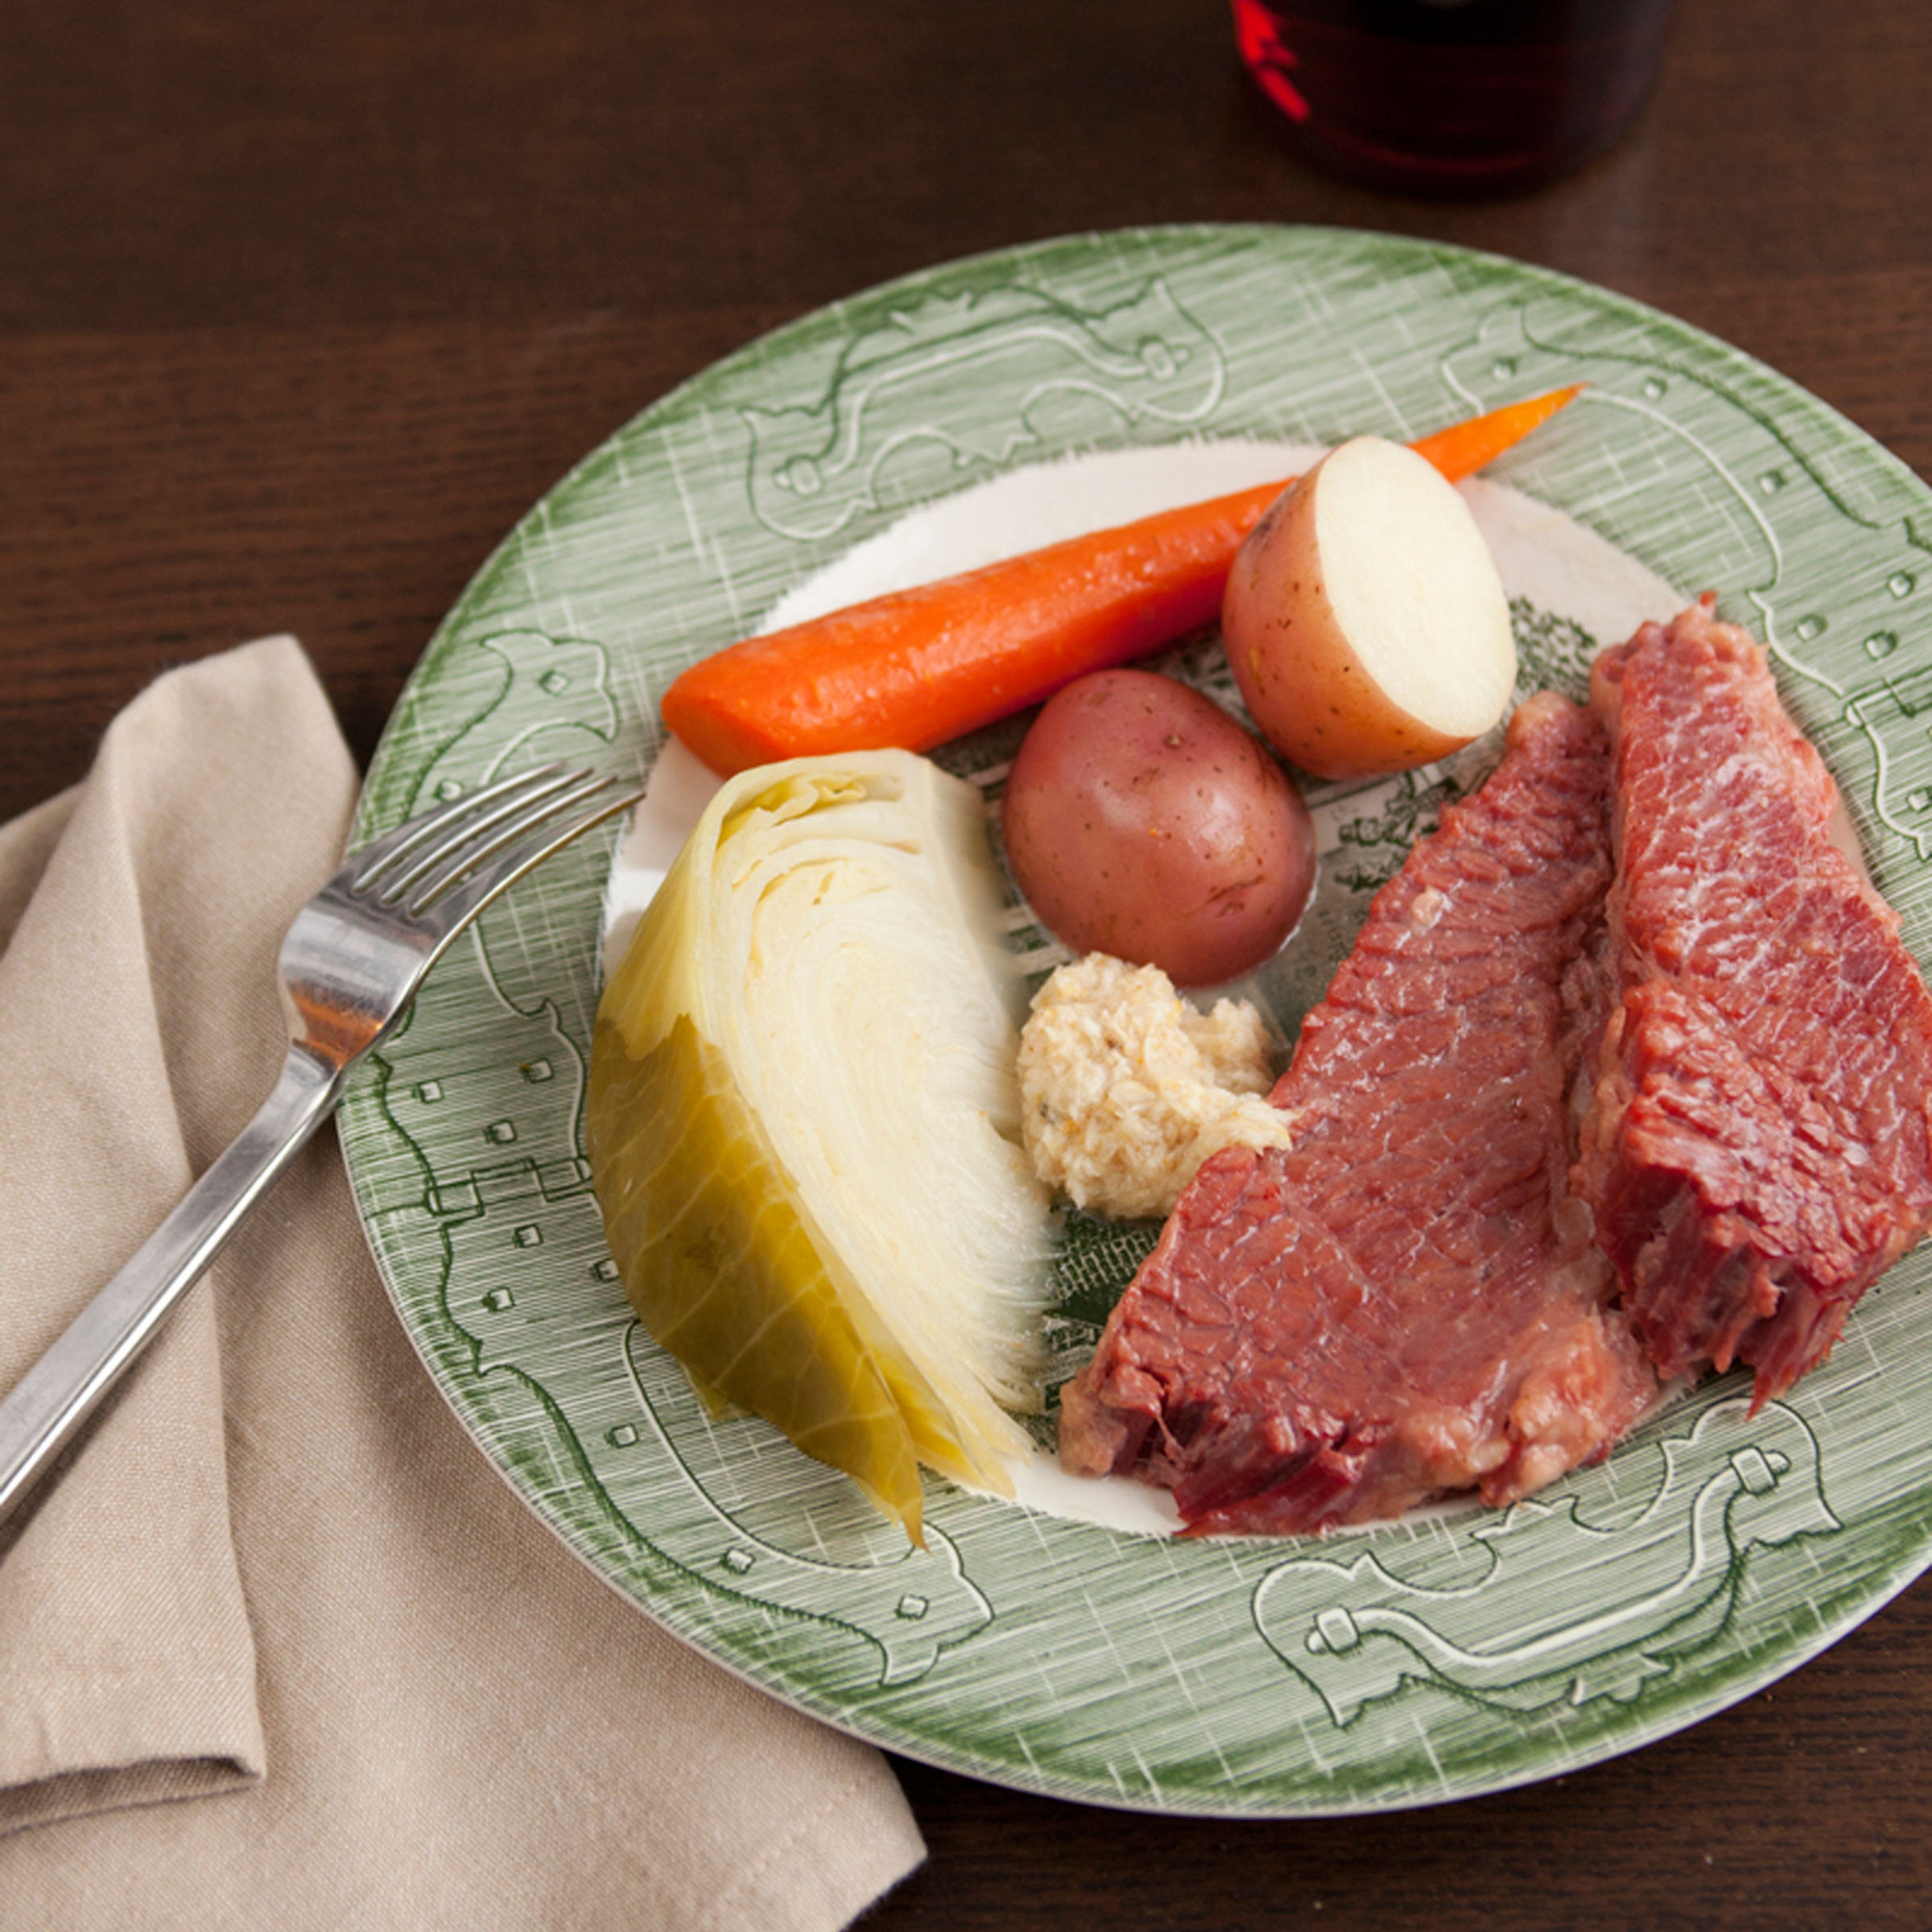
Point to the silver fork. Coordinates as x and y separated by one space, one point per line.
350 966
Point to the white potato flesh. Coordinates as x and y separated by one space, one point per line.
1364 619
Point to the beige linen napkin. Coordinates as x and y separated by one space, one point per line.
277 1584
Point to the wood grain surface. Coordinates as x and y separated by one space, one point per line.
302 304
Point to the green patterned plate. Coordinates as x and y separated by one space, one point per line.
1457 1652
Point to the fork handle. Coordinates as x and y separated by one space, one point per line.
61 1390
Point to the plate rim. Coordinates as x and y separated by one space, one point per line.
1885 1582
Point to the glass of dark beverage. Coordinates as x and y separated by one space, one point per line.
1454 96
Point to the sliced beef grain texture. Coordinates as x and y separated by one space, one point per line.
1407 1301
1758 1151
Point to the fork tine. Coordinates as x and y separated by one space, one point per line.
452 833
481 832
458 892
381 855
437 871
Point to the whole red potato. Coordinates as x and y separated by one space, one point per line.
1141 821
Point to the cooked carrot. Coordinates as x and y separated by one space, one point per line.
916 667
1474 443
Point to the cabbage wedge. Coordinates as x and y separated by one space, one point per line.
803 1124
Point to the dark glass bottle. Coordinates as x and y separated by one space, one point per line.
1450 96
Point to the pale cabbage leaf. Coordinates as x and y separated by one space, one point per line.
803 1124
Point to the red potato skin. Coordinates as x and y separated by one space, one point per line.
1141 821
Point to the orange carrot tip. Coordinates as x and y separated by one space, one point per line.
1464 447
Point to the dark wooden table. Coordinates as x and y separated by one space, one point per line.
302 304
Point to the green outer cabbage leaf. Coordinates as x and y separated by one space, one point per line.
803 1124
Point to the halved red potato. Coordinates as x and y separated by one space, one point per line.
1363 618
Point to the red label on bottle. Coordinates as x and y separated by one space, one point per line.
1259 38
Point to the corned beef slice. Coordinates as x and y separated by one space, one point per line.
1757 1151
1407 1301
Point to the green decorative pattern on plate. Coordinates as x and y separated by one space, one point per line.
1456 1653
